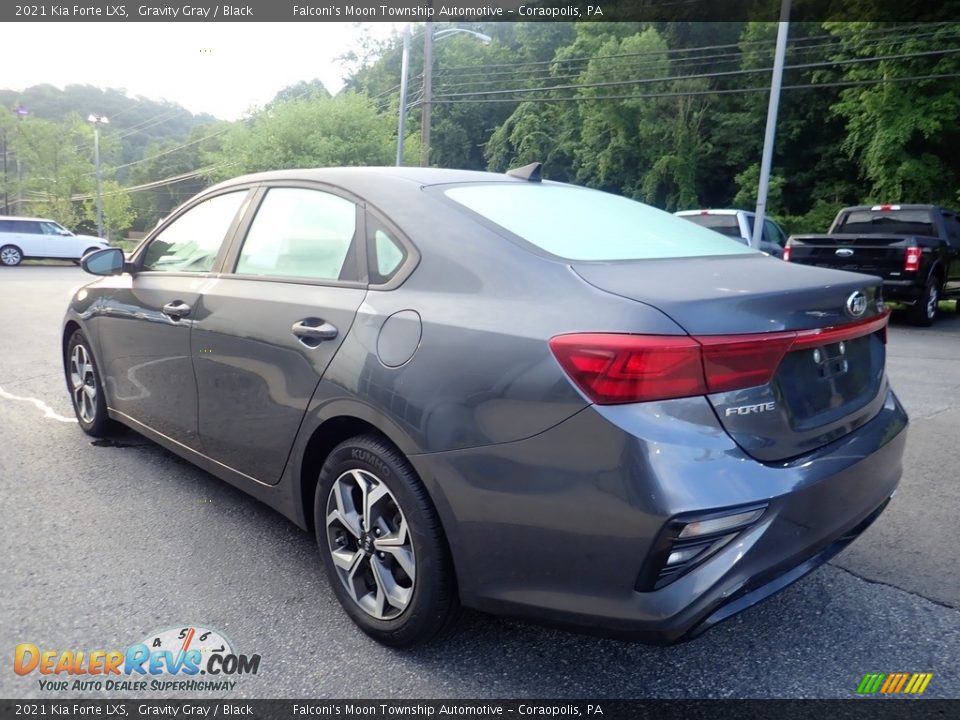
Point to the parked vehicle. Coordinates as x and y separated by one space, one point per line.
525 397
738 224
27 237
914 249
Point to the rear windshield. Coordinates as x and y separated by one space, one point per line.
888 222
724 224
576 223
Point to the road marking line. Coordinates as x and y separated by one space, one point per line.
48 412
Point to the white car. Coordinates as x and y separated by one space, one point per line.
26 237
738 224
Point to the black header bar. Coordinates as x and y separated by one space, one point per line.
476 10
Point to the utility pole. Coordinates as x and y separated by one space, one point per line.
427 94
6 196
98 120
404 71
21 113
776 81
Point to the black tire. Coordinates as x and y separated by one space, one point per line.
432 603
83 380
10 255
925 310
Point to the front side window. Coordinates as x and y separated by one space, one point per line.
576 223
192 241
773 233
301 233
50 228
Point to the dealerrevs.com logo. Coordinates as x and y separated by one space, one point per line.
188 659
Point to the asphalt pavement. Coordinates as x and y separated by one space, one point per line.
105 543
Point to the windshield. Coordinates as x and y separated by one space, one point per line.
888 222
577 223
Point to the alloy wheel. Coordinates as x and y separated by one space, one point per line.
369 542
83 383
933 300
10 256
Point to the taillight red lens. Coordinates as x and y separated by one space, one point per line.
734 362
911 260
614 368
631 368
787 250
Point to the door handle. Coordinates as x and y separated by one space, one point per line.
314 330
176 309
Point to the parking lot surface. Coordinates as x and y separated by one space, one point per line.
107 542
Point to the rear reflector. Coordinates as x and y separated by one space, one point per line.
618 368
911 260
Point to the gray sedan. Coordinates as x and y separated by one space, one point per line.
520 396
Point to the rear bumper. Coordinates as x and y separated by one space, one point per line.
558 528
902 290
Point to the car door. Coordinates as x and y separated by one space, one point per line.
268 329
60 242
773 239
143 325
30 238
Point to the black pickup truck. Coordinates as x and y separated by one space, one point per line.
915 249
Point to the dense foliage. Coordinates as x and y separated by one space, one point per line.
669 113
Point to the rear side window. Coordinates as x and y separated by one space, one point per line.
29 227
301 233
192 241
385 255
724 224
580 224
888 222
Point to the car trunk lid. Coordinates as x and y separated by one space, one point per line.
823 330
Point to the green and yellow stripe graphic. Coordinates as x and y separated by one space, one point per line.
894 683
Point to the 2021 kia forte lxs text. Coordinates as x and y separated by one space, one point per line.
525 397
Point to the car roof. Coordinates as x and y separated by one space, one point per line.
357 179
899 206
711 211
25 217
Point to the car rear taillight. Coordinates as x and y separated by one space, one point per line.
614 368
911 260
631 368
787 251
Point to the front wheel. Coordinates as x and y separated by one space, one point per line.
86 389
10 255
924 311
382 544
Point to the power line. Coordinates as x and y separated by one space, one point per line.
158 183
619 63
692 93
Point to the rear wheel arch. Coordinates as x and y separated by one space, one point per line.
323 440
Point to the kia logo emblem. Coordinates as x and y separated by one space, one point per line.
857 304
844 252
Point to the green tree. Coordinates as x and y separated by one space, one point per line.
55 166
315 132
902 132
118 210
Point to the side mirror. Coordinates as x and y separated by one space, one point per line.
109 261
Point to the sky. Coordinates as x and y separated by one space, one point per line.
222 69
